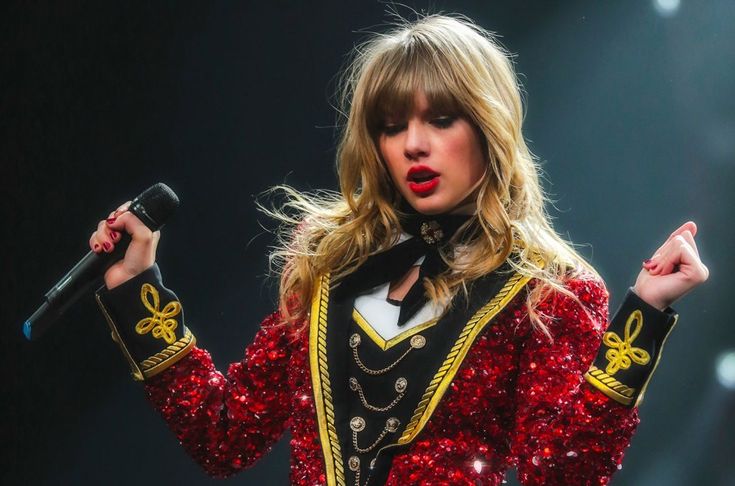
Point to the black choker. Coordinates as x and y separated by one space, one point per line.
429 234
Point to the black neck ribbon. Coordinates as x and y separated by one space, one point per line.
429 235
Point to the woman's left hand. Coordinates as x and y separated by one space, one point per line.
673 270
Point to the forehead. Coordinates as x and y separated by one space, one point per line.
402 89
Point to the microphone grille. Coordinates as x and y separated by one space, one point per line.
155 205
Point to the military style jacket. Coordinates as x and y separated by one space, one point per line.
453 401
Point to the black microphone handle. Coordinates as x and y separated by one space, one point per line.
153 207
85 276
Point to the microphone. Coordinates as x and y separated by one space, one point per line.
153 207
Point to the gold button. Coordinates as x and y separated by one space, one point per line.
357 424
418 341
354 340
401 384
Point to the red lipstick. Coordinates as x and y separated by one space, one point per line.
422 180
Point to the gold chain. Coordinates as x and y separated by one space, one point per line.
357 424
354 464
418 341
400 387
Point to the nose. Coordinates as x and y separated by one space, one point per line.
416 144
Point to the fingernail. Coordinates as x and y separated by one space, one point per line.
107 246
647 261
114 235
96 246
111 220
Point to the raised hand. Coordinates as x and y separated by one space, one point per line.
673 270
141 253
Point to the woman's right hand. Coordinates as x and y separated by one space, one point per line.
140 255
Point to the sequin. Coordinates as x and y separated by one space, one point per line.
518 400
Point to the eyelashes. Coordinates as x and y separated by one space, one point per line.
440 122
443 121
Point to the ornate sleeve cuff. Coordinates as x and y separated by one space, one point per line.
630 350
147 322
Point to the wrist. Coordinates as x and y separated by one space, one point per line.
650 300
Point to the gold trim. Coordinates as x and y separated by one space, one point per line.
168 356
609 386
378 339
655 365
322 386
433 394
439 384
134 368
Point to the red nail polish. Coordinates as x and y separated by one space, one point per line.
647 261
111 220
107 246
96 246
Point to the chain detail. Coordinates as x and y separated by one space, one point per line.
417 342
354 464
400 387
357 424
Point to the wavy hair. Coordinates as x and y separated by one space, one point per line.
462 69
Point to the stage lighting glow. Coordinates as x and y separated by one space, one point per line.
666 8
725 369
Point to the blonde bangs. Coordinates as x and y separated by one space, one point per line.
404 71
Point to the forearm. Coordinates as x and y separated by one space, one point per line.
225 422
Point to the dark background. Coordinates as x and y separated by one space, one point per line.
631 110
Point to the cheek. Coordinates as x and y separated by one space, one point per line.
390 158
470 162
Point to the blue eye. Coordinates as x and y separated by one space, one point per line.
443 121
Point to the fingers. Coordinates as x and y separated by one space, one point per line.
104 239
680 253
110 231
689 226
688 230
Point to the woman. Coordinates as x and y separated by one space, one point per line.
432 327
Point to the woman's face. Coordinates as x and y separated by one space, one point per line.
435 159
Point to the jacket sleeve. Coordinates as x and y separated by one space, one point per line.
226 423
568 429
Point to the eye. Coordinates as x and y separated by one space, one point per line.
443 121
390 129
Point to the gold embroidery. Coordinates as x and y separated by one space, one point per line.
161 324
622 353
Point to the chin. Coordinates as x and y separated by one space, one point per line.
429 205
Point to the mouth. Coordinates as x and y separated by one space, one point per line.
422 180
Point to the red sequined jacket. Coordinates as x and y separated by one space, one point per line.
518 399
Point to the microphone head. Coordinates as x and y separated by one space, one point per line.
155 205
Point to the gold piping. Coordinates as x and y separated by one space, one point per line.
168 356
134 368
439 384
321 384
655 365
378 339
433 394
609 385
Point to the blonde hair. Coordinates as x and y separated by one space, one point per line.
463 70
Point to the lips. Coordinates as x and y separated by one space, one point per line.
422 179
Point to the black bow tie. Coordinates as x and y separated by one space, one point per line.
429 233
